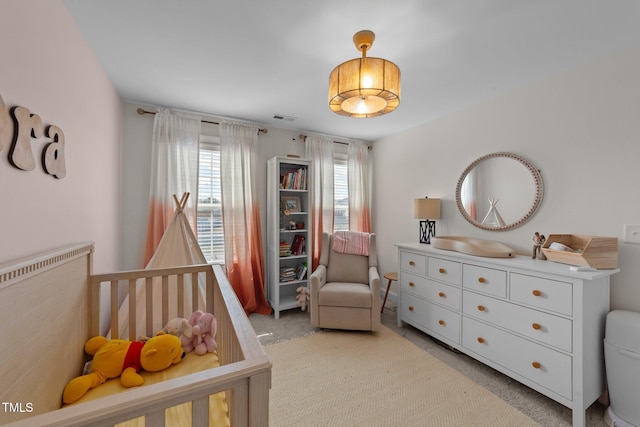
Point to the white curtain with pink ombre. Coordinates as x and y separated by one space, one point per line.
244 260
468 194
174 170
359 187
319 150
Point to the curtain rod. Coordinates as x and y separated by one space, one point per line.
304 138
142 112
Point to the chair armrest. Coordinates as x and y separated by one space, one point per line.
374 284
318 279
374 280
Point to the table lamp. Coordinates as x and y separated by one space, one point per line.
426 210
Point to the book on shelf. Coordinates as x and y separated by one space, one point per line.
285 249
294 179
297 245
287 274
301 270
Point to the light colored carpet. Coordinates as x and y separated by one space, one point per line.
546 412
341 378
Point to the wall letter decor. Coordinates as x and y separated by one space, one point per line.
25 127
53 153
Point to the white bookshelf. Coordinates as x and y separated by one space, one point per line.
288 220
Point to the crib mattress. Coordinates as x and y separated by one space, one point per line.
178 415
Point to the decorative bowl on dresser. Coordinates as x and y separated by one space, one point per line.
536 321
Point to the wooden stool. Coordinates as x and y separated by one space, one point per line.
392 277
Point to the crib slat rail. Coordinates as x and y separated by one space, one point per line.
153 399
161 280
244 373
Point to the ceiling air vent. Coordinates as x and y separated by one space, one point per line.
283 117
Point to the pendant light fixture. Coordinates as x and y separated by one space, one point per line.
364 87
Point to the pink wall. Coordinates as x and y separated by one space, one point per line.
47 66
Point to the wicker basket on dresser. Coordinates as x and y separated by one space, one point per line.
536 321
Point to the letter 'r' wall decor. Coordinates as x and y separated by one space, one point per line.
17 127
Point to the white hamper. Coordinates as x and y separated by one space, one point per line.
622 361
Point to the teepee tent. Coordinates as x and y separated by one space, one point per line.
178 247
493 217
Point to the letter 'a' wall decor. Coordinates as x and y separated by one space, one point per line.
17 128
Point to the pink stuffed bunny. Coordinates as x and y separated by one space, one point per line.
204 329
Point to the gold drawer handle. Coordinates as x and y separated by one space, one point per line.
410 308
482 280
481 308
412 284
411 263
481 340
536 365
536 326
441 294
441 322
536 293
442 271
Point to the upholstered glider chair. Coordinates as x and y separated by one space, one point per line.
345 287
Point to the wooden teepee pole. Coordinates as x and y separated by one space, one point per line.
180 204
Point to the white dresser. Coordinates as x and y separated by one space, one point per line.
536 321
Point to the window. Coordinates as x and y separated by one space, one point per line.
210 231
340 193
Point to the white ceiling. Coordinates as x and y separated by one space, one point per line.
250 60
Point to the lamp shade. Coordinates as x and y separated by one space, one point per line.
426 208
364 87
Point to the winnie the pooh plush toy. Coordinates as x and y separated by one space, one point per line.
124 359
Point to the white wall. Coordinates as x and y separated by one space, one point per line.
47 67
580 128
137 132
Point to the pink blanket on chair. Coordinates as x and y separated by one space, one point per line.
351 242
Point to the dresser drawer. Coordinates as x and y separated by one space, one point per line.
487 280
547 294
414 263
442 294
446 271
413 283
431 290
539 364
547 328
432 318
